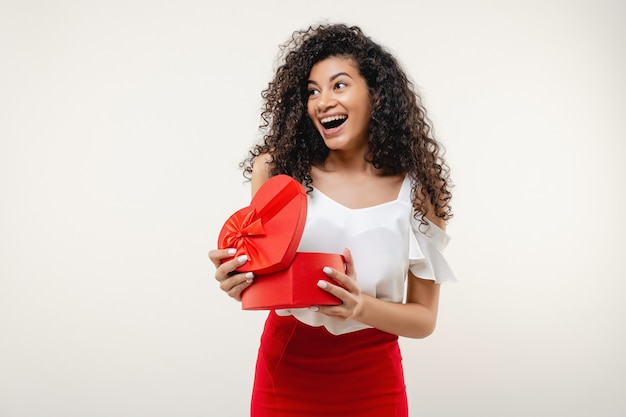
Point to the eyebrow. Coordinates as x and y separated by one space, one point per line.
339 74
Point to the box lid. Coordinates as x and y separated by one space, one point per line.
270 228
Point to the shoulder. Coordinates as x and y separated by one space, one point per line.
430 209
260 171
437 221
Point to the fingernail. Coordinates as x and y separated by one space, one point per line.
314 308
242 259
249 277
327 270
322 284
232 251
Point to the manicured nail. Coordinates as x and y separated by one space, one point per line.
232 251
314 308
242 259
249 277
327 270
322 284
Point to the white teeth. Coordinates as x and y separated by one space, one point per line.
332 118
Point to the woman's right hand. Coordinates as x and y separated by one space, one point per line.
231 281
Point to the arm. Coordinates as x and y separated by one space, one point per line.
260 172
416 318
234 283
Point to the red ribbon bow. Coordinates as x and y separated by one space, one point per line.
240 228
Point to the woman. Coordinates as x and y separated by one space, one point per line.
342 117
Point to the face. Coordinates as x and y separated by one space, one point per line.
339 104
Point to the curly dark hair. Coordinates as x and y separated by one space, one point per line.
400 136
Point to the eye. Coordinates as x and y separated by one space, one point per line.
313 92
340 85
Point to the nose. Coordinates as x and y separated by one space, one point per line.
324 102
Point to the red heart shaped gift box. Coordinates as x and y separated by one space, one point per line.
269 232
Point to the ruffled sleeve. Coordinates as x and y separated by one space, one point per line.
426 247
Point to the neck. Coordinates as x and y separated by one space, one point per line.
341 161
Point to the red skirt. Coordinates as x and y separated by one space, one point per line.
306 371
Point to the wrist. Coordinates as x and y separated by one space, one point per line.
361 308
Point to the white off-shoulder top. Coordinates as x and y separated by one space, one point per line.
386 242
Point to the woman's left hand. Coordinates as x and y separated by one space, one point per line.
349 292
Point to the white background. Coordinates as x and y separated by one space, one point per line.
122 124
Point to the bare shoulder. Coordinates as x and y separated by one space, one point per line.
430 212
437 221
260 171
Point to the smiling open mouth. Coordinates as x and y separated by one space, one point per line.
333 121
